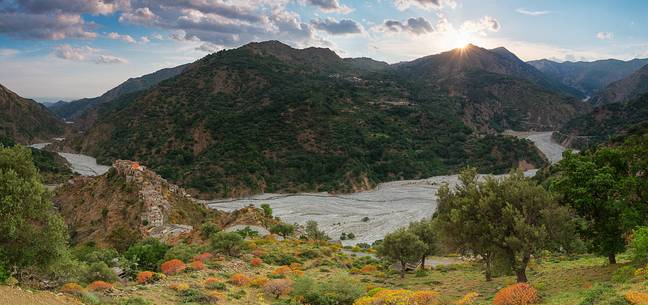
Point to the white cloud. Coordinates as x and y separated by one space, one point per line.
425 4
144 39
108 59
486 23
335 27
329 6
117 36
605 35
8 52
416 26
532 13
69 52
209 47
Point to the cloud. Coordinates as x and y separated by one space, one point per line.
209 47
101 7
416 26
8 52
108 59
334 27
486 23
69 52
532 13
329 6
144 39
41 26
425 4
605 35
142 15
117 36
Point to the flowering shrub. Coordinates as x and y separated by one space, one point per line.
400 297
296 266
516 294
255 262
216 296
179 286
197 265
636 297
369 269
468 299
173 266
278 287
214 283
239 279
100 286
203 257
283 270
146 277
259 281
72 288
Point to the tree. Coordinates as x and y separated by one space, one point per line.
147 254
313 232
31 232
267 210
427 233
283 229
517 218
229 243
402 246
598 186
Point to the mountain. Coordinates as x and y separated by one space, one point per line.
269 118
25 120
625 89
605 122
83 111
499 90
589 77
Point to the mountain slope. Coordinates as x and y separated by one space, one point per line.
499 90
25 120
625 89
82 111
589 77
269 118
604 122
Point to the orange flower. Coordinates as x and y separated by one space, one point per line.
636 297
72 288
100 286
197 265
145 277
203 257
173 266
258 281
239 279
283 270
516 294
255 262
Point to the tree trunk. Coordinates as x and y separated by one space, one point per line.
487 272
402 271
612 258
520 271
423 262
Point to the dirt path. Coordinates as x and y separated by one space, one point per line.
17 296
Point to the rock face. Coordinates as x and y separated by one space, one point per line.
129 198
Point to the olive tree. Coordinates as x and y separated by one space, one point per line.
427 233
403 247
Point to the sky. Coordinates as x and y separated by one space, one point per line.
69 49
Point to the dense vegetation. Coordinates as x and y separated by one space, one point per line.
250 120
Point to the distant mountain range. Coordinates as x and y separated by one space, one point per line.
83 112
26 121
589 77
270 118
624 90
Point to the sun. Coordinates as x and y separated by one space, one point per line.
457 40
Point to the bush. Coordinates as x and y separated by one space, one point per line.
401 296
4 275
203 257
339 289
516 294
72 288
99 271
100 286
258 281
623 274
183 252
173 266
239 279
256 262
229 243
147 254
179 286
214 283
90 298
283 229
208 229
267 210
468 299
636 298
279 258
197 265
602 294
146 277
133 301
278 287
640 245
193 296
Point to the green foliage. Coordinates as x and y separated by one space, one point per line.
99 271
267 210
216 286
279 258
247 232
426 231
283 229
92 254
52 167
183 252
511 216
602 294
207 229
623 274
123 237
133 301
4 275
90 298
313 232
229 243
339 289
402 246
640 245
147 254
31 232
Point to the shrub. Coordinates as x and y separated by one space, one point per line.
623 274
214 283
99 271
173 266
203 257
208 229
279 258
259 281
278 287
72 288
182 252
3 273
283 229
239 279
216 296
640 244
636 297
100 286
197 265
179 286
339 289
602 294
146 277
147 254
283 270
401 296
133 301
256 262
468 299
516 294
267 210
229 243
89 298
193 296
